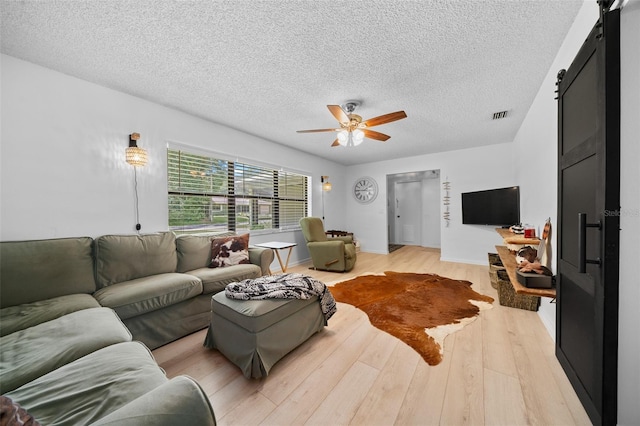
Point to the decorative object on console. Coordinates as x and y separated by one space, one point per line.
543 252
527 253
446 186
228 251
517 241
534 279
365 190
517 229
532 270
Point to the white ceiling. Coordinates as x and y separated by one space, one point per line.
269 68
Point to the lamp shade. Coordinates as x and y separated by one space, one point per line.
136 156
350 138
358 137
326 185
343 137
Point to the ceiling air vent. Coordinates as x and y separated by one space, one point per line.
500 114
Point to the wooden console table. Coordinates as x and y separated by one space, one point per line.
509 262
333 233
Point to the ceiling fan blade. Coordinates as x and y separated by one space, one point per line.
372 134
318 130
335 143
339 113
387 118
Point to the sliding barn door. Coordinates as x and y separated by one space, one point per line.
588 219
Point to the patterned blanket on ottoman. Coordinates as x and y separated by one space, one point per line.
284 286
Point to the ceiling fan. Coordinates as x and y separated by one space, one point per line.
352 129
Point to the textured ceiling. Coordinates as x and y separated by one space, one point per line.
269 68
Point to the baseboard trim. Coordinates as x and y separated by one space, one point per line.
468 261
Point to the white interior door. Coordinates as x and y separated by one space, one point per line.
408 213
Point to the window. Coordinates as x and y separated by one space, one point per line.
209 194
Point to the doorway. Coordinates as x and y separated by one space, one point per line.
413 209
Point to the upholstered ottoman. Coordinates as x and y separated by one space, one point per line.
255 334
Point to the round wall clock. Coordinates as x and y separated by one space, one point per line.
365 190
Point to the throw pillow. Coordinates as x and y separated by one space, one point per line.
12 413
228 251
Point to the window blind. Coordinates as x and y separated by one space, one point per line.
209 194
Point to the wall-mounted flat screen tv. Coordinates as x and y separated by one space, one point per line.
492 207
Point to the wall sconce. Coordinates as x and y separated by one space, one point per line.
326 185
137 157
134 155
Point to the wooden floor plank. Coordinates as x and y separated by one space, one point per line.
234 394
379 350
423 402
463 403
339 407
503 401
250 411
543 398
496 346
547 346
384 399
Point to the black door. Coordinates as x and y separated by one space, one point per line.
588 220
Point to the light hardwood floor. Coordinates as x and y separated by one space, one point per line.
498 370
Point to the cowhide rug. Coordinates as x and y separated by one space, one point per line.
419 309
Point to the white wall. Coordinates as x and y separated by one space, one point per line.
467 170
62 158
628 335
431 212
536 145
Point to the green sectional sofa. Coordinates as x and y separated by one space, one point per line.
79 316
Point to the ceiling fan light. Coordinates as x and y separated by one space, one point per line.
358 137
343 137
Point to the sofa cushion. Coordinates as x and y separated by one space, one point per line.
194 251
30 353
122 258
256 315
180 401
91 387
216 279
42 269
136 297
229 251
14 318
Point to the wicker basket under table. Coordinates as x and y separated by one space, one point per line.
495 265
508 296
